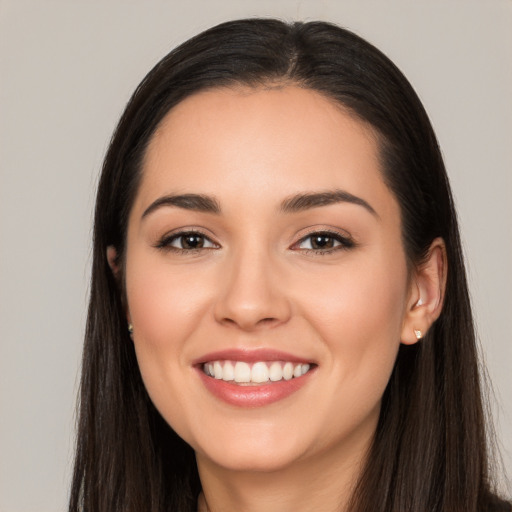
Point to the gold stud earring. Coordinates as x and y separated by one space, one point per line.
130 329
418 334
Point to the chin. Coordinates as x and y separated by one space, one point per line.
252 452
251 461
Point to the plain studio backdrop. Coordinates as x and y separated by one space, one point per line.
67 70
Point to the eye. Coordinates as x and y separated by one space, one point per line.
324 242
186 241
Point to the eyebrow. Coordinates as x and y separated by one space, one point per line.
293 204
301 202
196 202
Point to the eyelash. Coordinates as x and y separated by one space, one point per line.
166 241
345 242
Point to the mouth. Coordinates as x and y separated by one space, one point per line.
254 378
255 373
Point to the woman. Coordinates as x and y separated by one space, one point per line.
279 316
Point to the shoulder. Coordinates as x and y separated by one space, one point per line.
496 504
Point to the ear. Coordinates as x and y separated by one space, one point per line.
112 260
113 263
426 294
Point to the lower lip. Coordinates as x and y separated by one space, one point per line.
254 395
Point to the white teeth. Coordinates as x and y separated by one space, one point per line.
288 371
242 372
257 373
228 372
217 370
276 372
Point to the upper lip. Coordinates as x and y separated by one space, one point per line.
250 356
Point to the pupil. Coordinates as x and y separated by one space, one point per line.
192 241
322 242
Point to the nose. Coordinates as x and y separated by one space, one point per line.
252 294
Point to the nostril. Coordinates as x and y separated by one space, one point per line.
251 324
266 322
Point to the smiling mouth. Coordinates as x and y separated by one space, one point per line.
256 373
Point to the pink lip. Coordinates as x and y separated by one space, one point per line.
254 395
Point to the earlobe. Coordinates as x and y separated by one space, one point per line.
113 263
427 294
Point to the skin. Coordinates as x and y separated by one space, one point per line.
257 284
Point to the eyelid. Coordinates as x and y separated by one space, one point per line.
165 241
345 240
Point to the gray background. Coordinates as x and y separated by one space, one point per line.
67 69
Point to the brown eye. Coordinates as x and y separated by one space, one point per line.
324 242
191 241
186 241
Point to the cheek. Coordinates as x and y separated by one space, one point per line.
163 303
358 314
164 306
360 297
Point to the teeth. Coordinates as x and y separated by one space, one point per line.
260 372
228 372
242 372
217 370
276 372
288 371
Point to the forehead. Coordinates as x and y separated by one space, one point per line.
261 142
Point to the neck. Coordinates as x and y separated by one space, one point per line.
325 483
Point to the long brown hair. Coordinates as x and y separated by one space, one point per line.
429 453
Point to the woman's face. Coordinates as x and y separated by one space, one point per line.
263 246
